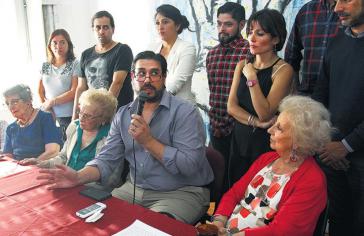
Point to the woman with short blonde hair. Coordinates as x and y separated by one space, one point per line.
87 135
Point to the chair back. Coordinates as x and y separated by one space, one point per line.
217 163
322 222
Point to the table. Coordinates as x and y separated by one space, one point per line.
28 208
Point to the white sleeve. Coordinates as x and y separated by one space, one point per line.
183 70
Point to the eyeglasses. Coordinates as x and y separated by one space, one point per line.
142 75
85 116
13 102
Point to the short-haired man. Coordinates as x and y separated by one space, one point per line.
168 140
220 64
315 24
107 64
341 88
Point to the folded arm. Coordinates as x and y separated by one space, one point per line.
266 107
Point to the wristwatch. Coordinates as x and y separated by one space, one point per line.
251 83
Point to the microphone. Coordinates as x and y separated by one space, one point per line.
142 98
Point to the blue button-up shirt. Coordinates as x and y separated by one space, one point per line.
175 123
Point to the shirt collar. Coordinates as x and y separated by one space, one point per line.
349 33
166 99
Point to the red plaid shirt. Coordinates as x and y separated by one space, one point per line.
220 63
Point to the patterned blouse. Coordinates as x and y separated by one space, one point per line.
259 205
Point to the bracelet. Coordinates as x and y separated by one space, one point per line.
254 123
54 101
250 118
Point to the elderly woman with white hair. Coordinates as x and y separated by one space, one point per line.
34 133
283 192
85 136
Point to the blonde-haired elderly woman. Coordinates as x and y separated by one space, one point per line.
85 136
283 192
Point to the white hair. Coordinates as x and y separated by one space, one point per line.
311 124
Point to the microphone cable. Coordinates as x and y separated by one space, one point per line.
135 166
142 98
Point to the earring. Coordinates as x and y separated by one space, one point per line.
293 156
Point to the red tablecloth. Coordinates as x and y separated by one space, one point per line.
27 208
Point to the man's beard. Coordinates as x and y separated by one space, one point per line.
358 21
225 38
158 93
355 20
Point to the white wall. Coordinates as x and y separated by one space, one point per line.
134 25
132 21
75 17
15 59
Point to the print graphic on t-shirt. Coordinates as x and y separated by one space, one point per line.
96 74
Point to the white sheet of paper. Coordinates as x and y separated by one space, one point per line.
8 168
138 228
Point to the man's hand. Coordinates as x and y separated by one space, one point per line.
60 177
341 165
139 129
334 154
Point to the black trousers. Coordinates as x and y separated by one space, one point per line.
238 165
346 196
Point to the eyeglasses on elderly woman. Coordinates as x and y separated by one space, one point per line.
85 116
12 102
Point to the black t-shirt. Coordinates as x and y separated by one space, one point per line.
98 69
